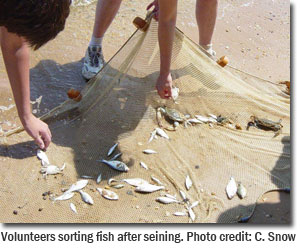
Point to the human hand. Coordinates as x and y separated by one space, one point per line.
38 130
164 86
155 10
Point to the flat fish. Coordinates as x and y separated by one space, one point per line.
148 151
180 214
202 118
43 157
77 186
64 196
112 149
116 157
86 197
99 178
108 194
152 135
166 200
143 165
156 180
117 165
231 188
135 181
73 208
241 191
148 188
162 133
188 182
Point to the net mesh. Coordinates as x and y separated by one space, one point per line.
119 105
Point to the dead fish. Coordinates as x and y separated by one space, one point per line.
194 204
183 195
162 133
108 194
194 121
64 196
241 191
188 182
73 208
117 165
175 93
99 178
118 186
180 214
111 180
156 180
43 157
171 196
213 116
148 151
116 156
143 165
135 181
191 214
231 188
212 120
148 188
77 186
87 177
152 135
111 150
166 200
202 118
86 197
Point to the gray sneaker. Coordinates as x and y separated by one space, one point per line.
93 62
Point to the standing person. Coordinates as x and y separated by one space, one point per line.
24 24
206 14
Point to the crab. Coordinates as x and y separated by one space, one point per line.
265 124
172 115
223 120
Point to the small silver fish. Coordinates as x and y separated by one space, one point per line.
188 182
148 151
135 181
86 197
77 186
64 196
166 200
43 157
194 204
118 186
231 188
202 118
162 133
191 214
87 177
148 188
180 214
111 150
241 191
117 165
194 121
116 156
73 208
156 180
99 178
171 196
152 135
108 194
183 195
143 165
111 180
213 116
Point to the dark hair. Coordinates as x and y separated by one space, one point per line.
38 21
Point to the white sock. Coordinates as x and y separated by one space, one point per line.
96 41
209 50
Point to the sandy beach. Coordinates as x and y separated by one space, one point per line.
255 35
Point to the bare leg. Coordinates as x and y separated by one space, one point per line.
166 30
105 13
206 15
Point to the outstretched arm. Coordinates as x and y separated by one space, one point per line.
16 57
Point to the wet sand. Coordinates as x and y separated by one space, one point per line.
253 34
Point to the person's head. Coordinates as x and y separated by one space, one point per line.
38 21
